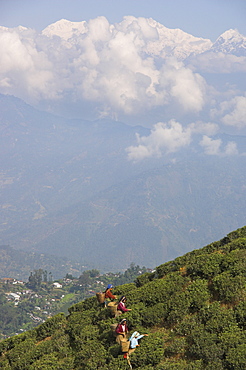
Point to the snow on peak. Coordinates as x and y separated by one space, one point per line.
231 34
65 29
230 41
175 42
165 43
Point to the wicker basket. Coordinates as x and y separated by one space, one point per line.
125 344
113 328
112 306
100 297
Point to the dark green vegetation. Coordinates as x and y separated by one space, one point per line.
68 189
193 309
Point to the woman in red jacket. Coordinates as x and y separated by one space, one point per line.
122 305
108 295
108 292
121 331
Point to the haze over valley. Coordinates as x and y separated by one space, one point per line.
120 142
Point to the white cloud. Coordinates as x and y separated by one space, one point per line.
211 146
164 138
214 147
237 112
102 63
170 137
206 128
231 148
186 87
112 68
24 70
212 62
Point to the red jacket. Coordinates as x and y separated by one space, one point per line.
108 294
120 329
121 307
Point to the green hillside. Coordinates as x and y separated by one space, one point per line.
193 308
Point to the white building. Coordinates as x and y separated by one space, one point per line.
14 297
57 285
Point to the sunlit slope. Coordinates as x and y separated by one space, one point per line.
193 309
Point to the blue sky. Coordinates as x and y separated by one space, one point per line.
202 18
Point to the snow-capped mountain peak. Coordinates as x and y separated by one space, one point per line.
166 43
232 42
170 42
231 34
65 29
175 42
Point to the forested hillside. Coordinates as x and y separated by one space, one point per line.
192 308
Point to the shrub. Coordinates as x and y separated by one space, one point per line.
206 266
126 289
92 356
204 346
236 358
215 364
198 294
80 319
232 337
195 365
154 315
20 356
150 352
4 364
228 289
160 290
217 319
46 362
178 307
240 314
87 304
172 365
188 325
235 262
61 343
116 364
15 340
50 326
144 278
176 347
79 336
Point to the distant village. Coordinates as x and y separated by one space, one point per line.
37 300
16 292
44 302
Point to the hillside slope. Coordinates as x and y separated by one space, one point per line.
193 309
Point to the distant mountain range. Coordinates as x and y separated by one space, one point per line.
69 190
169 43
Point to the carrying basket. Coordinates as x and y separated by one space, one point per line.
112 306
113 328
100 297
125 344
